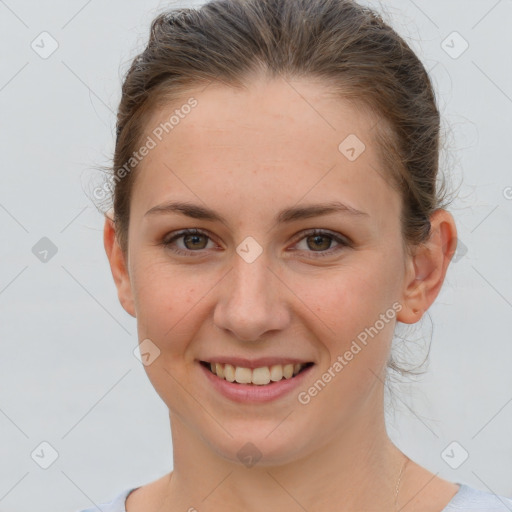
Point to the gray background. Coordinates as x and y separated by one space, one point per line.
68 375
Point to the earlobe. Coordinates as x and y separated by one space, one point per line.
427 268
118 266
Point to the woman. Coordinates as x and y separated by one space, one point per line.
275 215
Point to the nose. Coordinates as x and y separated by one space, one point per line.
252 300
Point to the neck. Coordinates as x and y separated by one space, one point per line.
356 468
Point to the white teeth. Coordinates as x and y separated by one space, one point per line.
259 376
276 372
243 375
219 370
229 372
288 371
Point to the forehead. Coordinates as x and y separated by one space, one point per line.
269 110
277 140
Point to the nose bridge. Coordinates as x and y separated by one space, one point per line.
251 300
249 278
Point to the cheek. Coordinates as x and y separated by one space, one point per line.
165 301
351 314
347 299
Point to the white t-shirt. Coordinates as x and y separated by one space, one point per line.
467 499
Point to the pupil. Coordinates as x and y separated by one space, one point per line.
193 237
317 237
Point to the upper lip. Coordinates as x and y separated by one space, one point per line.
254 363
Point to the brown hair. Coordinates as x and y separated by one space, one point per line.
343 44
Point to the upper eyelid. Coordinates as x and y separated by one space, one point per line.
176 235
320 232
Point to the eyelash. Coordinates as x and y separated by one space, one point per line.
312 232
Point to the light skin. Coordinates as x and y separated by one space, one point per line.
249 154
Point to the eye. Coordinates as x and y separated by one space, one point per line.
193 240
319 241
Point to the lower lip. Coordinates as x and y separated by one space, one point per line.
244 393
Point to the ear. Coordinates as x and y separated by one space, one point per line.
427 268
118 266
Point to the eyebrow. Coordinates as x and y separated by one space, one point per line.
287 215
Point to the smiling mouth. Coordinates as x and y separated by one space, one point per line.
256 376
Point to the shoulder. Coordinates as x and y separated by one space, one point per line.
476 500
144 497
116 505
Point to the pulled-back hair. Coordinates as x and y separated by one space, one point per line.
339 42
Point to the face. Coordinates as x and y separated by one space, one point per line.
273 279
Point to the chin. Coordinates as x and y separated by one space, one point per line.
264 446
